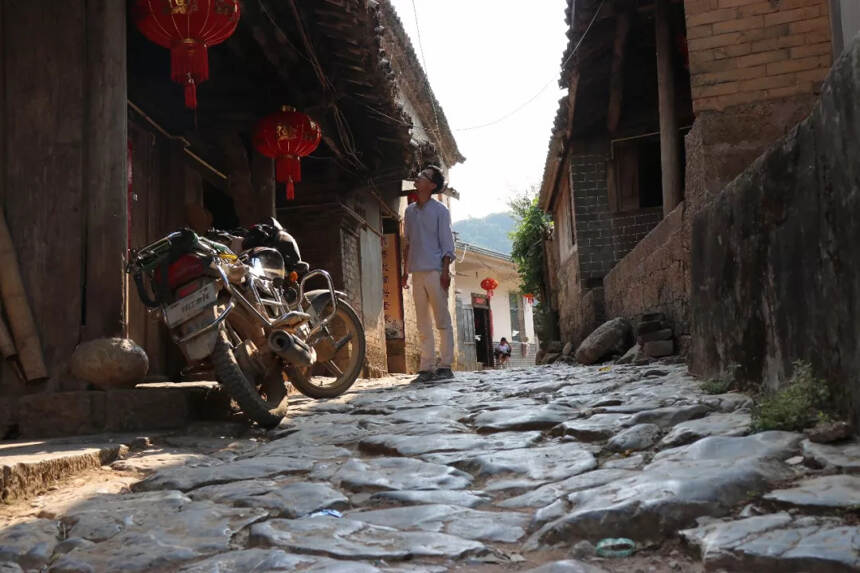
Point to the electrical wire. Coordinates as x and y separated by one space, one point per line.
546 85
426 70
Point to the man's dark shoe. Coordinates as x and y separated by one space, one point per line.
423 376
444 374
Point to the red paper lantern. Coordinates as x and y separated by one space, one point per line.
489 285
187 28
286 136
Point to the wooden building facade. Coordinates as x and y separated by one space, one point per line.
98 153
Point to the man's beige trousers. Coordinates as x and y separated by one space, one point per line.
429 294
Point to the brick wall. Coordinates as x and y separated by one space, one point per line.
602 239
744 51
594 236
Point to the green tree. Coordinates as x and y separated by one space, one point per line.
532 228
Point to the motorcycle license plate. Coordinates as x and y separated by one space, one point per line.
185 308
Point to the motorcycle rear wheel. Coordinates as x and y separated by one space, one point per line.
333 377
267 413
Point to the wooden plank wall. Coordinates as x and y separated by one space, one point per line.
62 70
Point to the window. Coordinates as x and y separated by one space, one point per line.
635 180
517 319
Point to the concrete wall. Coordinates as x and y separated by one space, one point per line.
775 276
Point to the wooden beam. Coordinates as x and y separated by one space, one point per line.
670 148
616 80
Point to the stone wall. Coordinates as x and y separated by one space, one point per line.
775 276
654 276
744 51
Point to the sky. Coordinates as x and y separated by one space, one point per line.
484 59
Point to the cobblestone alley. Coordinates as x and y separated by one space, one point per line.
512 470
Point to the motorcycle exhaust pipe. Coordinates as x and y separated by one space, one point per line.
291 348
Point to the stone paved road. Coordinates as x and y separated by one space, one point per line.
516 470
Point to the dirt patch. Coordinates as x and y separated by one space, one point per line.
66 493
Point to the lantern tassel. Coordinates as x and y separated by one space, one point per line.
291 191
191 94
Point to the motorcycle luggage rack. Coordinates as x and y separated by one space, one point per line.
289 316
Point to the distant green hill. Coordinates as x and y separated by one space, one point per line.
490 232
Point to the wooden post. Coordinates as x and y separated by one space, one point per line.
616 81
239 185
670 148
263 174
105 159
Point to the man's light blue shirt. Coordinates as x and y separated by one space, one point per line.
428 232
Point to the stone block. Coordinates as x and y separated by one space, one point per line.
568 348
646 327
663 334
653 316
61 414
658 348
554 347
611 335
109 362
145 408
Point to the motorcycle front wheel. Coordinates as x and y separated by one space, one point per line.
267 412
340 355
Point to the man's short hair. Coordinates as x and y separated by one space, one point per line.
436 177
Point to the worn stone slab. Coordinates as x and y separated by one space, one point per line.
185 479
546 494
416 445
283 500
340 433
731 424
670 416
597 428
149 531
622 462
661 499
350 539
10 567
551 462
567 566
638 437
429 414
504 527
521 419
30 544
778 542
275 560
399 474
296 449
844 457
728 402
777 445
836 491
443 496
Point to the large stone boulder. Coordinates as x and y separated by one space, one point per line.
110 362
610 336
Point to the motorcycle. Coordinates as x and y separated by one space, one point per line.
248 316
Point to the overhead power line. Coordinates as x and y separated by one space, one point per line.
542 89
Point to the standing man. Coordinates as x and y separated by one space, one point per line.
427 255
